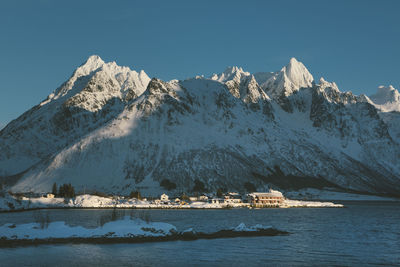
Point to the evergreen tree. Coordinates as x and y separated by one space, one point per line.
220 192
67 191
135 194
71 191
185 197
54 190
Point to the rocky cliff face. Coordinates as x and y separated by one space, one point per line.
112 129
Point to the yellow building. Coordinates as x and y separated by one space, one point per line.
273 198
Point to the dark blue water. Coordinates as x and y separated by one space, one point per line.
362 234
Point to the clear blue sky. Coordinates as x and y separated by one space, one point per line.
354 43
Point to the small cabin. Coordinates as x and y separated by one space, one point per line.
203 198
164 198
50 196
232 197
192 199
216 200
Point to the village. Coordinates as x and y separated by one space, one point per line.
270 199
273 198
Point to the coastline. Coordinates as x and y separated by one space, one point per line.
126 230
13 204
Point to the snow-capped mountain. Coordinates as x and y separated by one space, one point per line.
112 129
94 94
241 85
387 98
288 80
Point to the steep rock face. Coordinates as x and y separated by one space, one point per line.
241 85
224 131
352 119
244 86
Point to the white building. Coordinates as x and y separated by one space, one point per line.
164 198
216 200
232 197
203 198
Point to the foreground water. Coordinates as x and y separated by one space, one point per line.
363 233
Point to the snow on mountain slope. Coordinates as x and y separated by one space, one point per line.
262 77
95 93
288 80
224 131
387 99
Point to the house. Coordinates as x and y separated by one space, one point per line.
50 195
192 199
273 198
177 200
232 197
157 201
203 198
216 200
164 198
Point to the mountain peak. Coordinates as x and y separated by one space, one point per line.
385 94
325 84
233 69
94 59
91 64
387 98
293 61
230 73
298 73
96 79
386 89
289 79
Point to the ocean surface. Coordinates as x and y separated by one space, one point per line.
361 234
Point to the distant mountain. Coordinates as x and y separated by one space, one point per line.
387 99
112 129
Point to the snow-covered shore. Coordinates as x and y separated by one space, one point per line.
312 194
11 203
288 203
120 228
125 230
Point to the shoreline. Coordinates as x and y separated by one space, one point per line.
125 230
4 243
12 203
301 199
181 236
157 208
